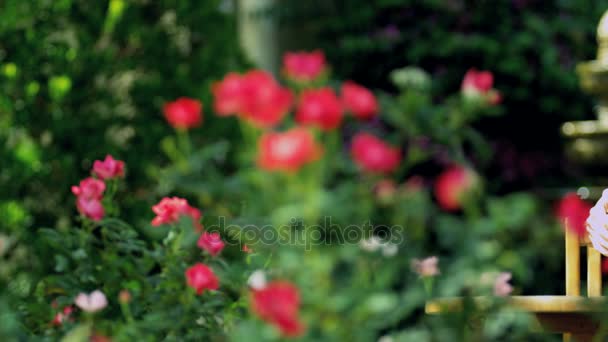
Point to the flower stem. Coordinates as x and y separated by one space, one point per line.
185 146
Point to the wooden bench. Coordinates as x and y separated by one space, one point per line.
570 315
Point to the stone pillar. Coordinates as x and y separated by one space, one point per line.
258 32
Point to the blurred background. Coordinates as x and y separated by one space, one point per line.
80 79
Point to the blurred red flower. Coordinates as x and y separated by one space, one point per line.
453 185
477 81
287 151
266 102
90 207
108 168
320 108
229 95
374 155
62 316
200 277
572 211
89 188
359 100
88 198
169 210
255 96
278 303
304 66
211 242
478 84
184 113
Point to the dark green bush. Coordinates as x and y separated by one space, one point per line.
80 79
531 47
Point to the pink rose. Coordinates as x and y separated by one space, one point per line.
211 242
108 168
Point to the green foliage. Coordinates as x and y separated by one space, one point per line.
81 79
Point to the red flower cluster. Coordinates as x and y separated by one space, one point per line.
211 242
304 67
287 151
62 316
169 210
278 303
374 155
88 198
109 168
320 108
89 192
359 100
200 277
478 84
572 211
184 113
255 96
453 185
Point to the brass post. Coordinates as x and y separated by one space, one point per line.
573 271
594 272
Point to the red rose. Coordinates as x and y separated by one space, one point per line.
108 168
266 102
373 155
184 113
200 277
229 95
359 100
478 84
169 210
211 242
304 67
572 211
255 96
278 303
453 185
477 81
319 107
287 151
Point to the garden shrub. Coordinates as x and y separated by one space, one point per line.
532 47
248 207
81 79
320 227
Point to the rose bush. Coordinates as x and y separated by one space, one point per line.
328 217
